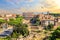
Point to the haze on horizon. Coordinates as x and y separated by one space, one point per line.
17 6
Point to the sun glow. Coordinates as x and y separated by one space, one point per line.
57 2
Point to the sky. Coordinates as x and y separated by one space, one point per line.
18 6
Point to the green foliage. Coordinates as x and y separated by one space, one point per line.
4 39
8 38
11 19
49 27
15 35
22 29
17 16
19 27
57 38
22 25
55 34
35 21
16 21
2 21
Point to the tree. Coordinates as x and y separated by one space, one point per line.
49 27
15 22
14 34
55 34
17 16
22 29
19 27
7 38
2 21
35 21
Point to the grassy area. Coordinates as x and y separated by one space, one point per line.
57 38
4 39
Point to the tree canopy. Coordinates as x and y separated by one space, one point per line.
15 21
35 21
2 21
49 27
56 34
19 27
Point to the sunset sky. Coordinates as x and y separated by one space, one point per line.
30 5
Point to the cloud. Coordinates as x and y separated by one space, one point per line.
36 6
43 3
14 2
18 1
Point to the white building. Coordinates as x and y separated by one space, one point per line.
47 22
46 19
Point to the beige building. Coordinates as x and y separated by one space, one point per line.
46 19
7 16
10 15
28 15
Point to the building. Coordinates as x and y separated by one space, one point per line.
28 15
10 15
47 22
7 16
46 19
57 21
